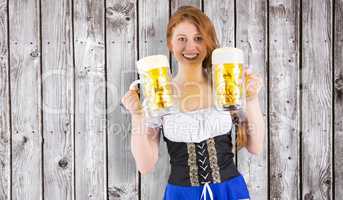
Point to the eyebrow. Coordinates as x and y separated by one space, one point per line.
181 34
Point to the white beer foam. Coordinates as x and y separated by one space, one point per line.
227 55
151 62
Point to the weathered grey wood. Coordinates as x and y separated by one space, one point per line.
175 4
251 37
58 101
121 56
90 106
284 99
153 19
5 178
338 99
223 17
317 100
25 97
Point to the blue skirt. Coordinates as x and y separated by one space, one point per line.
232 189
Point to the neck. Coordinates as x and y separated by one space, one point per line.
190 73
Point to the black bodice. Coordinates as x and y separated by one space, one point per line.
209 161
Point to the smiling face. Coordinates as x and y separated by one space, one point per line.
187 44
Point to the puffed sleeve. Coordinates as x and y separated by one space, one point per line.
153 122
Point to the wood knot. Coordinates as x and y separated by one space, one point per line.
34 53
24 139
279 10
339 83
309 196
109 11
89 18
327 182
151 31
2 164
63 163
115 192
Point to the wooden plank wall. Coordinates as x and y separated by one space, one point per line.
26 100
121 30
338 98
316 95
58 99
5 131
64 66
284 99
90 100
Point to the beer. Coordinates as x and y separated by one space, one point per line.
156 88
156 81
228 78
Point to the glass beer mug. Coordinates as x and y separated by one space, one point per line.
228 79
155 79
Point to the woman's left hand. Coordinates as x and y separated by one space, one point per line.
253 84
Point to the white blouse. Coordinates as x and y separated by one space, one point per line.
194 126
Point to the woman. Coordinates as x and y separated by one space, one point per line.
202 165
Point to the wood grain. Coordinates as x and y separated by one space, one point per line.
317 100
175 4
58 99
121 49
5 134
153 19
25 97
90 106
284 99
251 37
338 99
223 17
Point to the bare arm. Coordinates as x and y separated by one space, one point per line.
256 126
144 144
144 141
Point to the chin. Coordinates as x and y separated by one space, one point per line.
192 62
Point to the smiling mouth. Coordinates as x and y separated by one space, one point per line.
191 56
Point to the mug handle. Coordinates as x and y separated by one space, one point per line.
133 85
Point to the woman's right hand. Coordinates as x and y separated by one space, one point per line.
131 102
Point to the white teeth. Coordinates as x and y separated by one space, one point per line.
190 56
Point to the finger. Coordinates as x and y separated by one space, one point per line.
133 86
122 105
132 93
249 71
123 99
253 78
249 76
126 96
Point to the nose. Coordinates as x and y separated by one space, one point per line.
190 45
